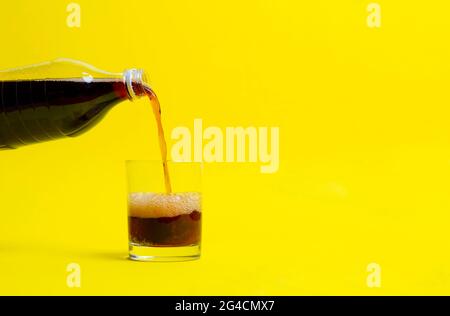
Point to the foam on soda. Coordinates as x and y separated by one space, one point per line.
156 205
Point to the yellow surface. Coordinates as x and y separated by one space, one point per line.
364 147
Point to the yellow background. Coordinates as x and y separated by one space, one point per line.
364 147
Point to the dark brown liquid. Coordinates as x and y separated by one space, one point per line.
162 140
182 230
34 111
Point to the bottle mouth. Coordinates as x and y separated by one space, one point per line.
135 80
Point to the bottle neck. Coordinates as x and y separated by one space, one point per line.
135 81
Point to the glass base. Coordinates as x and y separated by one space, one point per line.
163 254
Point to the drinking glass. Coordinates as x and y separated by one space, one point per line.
164 226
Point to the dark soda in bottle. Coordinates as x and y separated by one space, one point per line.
57 99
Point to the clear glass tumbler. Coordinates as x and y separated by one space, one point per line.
164 226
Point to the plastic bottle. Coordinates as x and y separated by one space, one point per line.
61 98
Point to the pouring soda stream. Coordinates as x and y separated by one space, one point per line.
161 138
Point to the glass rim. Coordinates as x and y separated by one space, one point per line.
171 163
